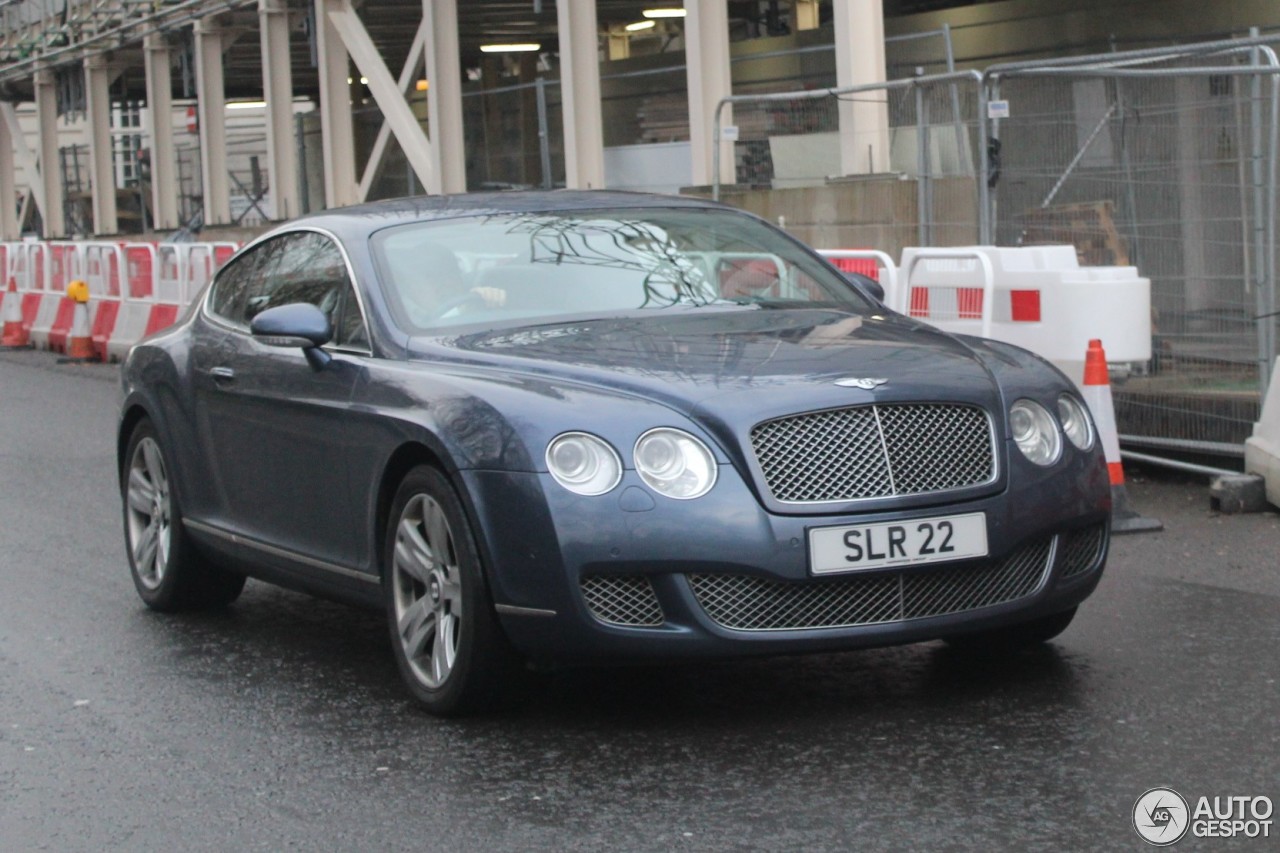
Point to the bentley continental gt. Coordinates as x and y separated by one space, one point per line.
570 427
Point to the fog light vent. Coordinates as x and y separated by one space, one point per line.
622 600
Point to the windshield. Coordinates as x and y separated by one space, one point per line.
499 268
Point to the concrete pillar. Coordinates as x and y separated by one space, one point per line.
52 213
211 108
619 44
277 90
444 95
337 134
164 157
102 173
864 122
8 188
706 37
804 15
580 90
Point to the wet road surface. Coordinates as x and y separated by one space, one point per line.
282 722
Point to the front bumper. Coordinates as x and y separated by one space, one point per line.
630 575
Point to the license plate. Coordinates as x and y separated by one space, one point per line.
862 547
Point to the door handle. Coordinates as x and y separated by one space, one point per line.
222 374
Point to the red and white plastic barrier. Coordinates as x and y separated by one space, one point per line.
1037 297
873 264
134 289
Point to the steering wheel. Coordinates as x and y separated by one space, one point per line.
470 299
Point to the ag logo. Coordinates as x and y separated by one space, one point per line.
1161 817
864 384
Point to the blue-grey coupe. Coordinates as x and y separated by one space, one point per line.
564 427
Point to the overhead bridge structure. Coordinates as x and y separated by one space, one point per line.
78 59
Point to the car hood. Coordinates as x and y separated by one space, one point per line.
735 364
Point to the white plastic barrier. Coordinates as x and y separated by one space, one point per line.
53 266
203 260
105 270
878 266
27 263
171 276
1262 449
1037 297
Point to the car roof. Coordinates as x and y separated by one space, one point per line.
365 218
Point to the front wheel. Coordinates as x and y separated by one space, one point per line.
167 571
1016 637
444 634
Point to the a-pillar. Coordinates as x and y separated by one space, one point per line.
164 158
277 88
102 173
864 121
580 90
8 216
706 35
444 94
211 107
53 216
337 135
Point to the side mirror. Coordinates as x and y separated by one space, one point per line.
298 324
866 284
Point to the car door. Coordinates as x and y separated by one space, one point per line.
275 426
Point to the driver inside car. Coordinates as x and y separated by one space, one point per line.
431 284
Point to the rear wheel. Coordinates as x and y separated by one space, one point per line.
167 571
1017 637
444 634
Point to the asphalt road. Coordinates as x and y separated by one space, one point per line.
282 724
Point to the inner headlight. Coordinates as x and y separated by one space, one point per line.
675 464
1035 432
583 463
1075 421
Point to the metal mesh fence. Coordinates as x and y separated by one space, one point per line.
1167 172
514 136
792 140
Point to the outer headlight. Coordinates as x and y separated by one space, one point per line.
1075 421
1035 432
583 463
675 464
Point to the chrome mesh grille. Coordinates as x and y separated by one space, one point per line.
622 600
747 603
1078 551
874 451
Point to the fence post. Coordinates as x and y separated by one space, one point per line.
544 138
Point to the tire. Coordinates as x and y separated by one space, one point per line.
1015 637
447 643
168 572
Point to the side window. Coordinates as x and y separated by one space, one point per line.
303 266
296 267
349 330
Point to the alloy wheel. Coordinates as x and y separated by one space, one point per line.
427 591
149 513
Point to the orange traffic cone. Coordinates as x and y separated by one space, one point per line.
79 340
1097 394
15 335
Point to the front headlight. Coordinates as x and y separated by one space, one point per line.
675 464
1075 421
583 463
1035 432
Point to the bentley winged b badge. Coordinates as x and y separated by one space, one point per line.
864 384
